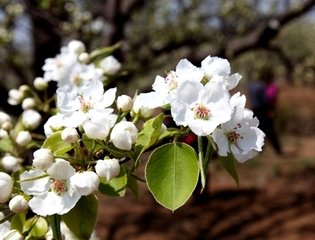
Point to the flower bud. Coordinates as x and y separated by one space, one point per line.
7 126
6 186
31 119
24 88
40 84
69 135
123 135
108 168
11 163
28 103
3 133
110 65
15 97
85 183
23 138
13 235
84 57
53 124
18 204
43 158
4 118
141 110
124 103
76 46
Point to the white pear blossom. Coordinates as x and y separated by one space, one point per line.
85 183
201 108
18 204
108 168
80 75
52 190
31 119
6 185
23 138
69 135
11 163
43 158
110 65
166 88
89 109
58 68
124 103
241 135
219 69
124 135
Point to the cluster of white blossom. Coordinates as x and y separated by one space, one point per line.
198 98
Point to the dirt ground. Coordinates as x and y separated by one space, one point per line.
275 200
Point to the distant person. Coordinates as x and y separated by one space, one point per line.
263 95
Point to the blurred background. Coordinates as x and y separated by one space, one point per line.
273 38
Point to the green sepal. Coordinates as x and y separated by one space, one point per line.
229 163
18 221
116 187
36 227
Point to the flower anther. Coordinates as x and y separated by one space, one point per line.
58 186
201 112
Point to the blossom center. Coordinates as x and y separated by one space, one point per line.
76 80
85 105
201 112
58 186
233 135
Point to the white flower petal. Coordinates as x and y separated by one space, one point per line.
221 141
36 186
61 169
216 66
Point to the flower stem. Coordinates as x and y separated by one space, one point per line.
55 225
201 164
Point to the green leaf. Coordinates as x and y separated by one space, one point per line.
101 53
18 221
170 132
6 145
172 174
81 219
116 186
150 132
55 143
229 163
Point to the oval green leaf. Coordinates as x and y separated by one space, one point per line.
172 174
82 218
